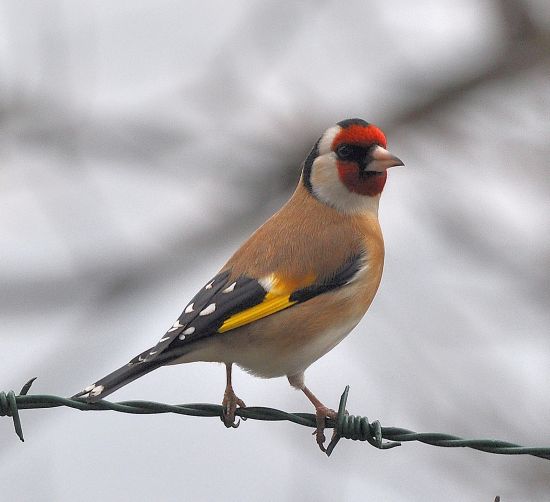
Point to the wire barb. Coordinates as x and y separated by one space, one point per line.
8 407
345 426
357 428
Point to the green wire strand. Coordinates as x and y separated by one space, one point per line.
346 426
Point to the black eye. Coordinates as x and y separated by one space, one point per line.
344 152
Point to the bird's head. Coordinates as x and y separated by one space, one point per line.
346 168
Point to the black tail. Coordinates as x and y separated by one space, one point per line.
118 378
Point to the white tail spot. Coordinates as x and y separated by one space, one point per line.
209 285
189 308
96 391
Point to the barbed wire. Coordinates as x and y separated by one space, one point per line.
357 428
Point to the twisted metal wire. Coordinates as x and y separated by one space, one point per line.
346 426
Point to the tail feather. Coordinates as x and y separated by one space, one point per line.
117 379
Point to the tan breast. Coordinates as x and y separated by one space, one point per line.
308 238
305 239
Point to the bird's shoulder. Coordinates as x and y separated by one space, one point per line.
307 239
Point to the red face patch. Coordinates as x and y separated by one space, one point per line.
349 172
349 175
360 135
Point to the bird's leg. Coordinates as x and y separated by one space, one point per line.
322 412
230 401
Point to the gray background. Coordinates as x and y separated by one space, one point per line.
142 142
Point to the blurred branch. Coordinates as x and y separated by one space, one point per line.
526 46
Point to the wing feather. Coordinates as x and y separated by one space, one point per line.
271 304
222 306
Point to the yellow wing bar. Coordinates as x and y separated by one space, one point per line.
272 303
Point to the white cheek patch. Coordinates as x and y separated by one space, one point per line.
325 144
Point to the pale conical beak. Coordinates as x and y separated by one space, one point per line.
382 160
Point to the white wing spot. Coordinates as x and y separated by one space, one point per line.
153 352
209 285
97 390
164 339
229 289
189 308
188 331
267 282
141 359
208 310
175 326
89 388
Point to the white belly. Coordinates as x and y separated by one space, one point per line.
264 358
269 365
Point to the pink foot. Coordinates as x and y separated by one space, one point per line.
230 403
321 414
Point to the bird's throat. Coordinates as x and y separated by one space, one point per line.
360 182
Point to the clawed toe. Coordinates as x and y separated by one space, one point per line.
230 404
321 414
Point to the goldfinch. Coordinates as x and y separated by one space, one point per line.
297 286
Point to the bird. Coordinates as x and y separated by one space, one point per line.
297 287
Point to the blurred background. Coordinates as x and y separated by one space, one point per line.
141 142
